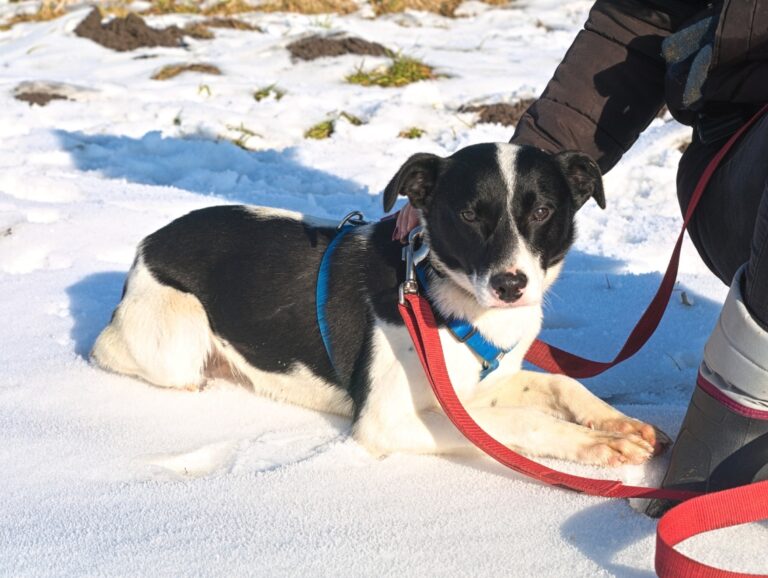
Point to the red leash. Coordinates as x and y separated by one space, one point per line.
704 513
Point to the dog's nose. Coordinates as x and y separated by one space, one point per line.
509 286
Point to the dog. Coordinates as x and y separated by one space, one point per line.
230 291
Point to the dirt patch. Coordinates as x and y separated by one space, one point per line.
39 98
318 46
42 92
129 33
503 113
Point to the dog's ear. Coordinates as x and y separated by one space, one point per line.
583 176
416 180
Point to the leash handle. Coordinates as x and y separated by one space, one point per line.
555 360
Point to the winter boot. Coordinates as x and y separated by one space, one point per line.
723 442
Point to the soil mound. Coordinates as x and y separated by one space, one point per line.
42 92
38 98
320 46
502 113
129 33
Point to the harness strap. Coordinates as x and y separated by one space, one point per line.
322 289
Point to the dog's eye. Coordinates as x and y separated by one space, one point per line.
469 215
541 213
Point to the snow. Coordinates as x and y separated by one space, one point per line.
105 475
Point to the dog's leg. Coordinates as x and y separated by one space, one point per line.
156 333
568 399
524 429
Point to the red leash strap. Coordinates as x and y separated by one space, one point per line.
718 510
421 324
554 360
700 514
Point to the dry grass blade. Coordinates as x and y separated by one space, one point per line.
173 70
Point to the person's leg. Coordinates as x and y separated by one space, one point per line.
756 279
723 441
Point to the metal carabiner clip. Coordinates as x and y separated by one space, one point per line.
353 218
412 257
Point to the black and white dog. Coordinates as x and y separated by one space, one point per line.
230 291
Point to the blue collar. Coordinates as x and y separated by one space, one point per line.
464 332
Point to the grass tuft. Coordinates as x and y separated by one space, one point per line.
198 30
48 10
321 130
269 91
442 7
231 23
244 135
327 127
172 7
403 70
228 8
310 6
173 70
413 132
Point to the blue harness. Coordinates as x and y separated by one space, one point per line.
321 292
464 332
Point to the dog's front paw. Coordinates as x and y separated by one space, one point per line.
627 425
615 449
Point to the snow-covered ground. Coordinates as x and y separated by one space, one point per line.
102 475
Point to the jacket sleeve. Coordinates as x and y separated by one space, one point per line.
610 85
739 69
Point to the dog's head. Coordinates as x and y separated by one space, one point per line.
498 216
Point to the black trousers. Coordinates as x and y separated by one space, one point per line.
730 226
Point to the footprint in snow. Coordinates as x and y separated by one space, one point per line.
268 452
192 464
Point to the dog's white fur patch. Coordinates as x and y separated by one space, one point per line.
157 333
162 335
524 258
